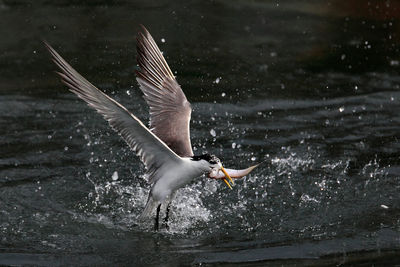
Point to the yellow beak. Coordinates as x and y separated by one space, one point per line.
227 175
227 183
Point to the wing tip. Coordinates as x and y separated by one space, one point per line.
144 30
46 44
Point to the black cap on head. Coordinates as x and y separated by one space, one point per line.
207 157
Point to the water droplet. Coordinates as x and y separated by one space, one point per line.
115 176
66 148
253 158
162 40
341 109
223 94
233 145
213 133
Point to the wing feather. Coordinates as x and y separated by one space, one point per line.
153 152
169 109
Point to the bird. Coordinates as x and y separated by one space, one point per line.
165 147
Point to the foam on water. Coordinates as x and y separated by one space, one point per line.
296 175
117 204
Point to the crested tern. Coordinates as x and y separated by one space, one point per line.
164 147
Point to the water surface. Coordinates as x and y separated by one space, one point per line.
309 89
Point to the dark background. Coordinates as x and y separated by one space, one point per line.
308 88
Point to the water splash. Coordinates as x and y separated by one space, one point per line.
116 204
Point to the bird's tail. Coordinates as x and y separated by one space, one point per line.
149 208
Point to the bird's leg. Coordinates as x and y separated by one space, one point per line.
157 217
167 217
170 198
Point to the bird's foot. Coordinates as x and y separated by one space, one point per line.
166 218
157 218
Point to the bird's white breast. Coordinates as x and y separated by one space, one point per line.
176 177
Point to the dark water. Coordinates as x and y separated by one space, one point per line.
309 88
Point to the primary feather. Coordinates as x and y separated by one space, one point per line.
170 111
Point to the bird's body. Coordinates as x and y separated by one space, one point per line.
175 177
165 148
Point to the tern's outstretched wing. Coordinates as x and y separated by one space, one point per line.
169 109
152 151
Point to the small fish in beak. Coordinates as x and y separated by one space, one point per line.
231 173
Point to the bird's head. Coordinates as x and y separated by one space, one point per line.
213 164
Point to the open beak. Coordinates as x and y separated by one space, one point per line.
227 176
